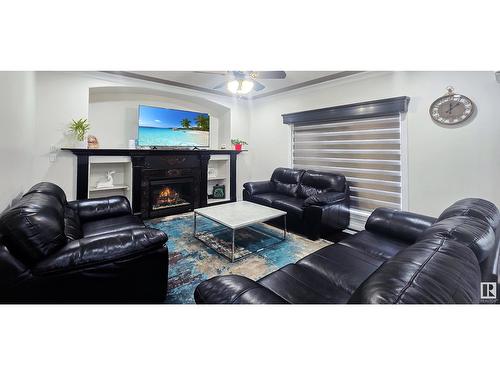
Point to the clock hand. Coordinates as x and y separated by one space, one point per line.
451 108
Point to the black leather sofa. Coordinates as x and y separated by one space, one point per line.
401 257
316 202
91 250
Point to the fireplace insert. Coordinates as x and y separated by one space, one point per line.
171 196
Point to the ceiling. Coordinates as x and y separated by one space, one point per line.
206 82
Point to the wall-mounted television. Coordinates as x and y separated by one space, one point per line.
172 128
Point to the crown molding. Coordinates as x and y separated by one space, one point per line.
167 82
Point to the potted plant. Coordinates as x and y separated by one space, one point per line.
79 129
238 143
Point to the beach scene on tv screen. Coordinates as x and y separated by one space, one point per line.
172 127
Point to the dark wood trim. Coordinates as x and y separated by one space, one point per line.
204 158
374 108
82 176
144 152
137 168
232 178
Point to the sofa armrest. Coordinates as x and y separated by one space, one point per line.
325 199
259 187
326 210
101 208
12 270
402 225
94 251
234 289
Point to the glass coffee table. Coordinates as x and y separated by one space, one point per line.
234 216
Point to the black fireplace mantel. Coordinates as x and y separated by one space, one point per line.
143 151
139 158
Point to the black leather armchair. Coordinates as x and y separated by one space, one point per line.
400 257
316 202
91 250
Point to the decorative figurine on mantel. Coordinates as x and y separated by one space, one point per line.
108 183
92 141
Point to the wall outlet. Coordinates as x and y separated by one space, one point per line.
53 153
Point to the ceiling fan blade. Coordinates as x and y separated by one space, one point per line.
278 74
206 72
220 85
257 86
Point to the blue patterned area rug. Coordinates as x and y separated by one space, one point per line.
191 261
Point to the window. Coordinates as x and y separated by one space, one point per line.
366 151
365 141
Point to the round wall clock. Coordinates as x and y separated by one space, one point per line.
451 109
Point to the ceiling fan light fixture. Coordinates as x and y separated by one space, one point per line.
246 86
240 86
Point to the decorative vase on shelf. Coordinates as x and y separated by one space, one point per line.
82 144
237 147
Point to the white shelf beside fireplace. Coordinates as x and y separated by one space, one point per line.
122 165
115 187
221 165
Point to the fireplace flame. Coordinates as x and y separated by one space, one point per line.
168 196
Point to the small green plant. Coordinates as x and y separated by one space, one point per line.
238 142
79 128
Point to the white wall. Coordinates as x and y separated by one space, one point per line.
444 164
17 128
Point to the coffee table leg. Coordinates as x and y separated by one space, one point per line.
284 227
232 247
194 225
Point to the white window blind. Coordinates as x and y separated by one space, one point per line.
367 152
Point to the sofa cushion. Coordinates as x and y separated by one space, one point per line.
266 199
375 245
286 180
436 270
341 266
297 284
313 183
294 206
34 227
111 225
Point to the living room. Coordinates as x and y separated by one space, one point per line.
170 187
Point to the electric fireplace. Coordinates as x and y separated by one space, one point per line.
171 196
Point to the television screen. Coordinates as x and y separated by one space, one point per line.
172 127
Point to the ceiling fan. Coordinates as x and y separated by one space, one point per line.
242 82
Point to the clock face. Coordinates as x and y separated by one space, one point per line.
451 109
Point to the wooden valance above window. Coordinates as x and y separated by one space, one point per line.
355 111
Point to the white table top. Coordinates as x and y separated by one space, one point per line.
239 214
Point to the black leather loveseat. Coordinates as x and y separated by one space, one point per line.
91 250
401 257
315 202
